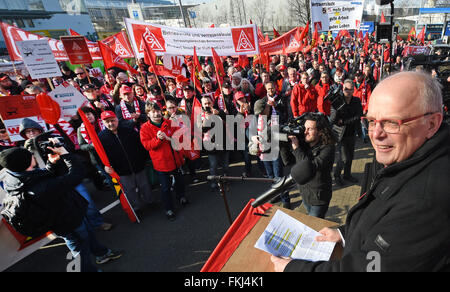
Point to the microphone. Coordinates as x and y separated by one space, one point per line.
276 189
301 174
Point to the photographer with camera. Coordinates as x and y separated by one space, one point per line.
317 145
40 200
346 112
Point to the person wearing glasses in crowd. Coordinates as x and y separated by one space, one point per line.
403 217
347 117
82 78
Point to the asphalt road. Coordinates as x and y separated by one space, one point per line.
157 244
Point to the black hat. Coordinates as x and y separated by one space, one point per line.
226 84
89 86
16 159
188 87
155 90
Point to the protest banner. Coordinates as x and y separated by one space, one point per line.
287 41
77 50
229 41
14 108
336 15
38 58
13 34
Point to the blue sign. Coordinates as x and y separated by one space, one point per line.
135 14
447 29
192 14
368 26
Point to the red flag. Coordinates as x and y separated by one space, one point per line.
315 37
233 237
243 61
411 34
197 64
196 110
212 26
338 41
266 38
149 55
360 36
111 59
366 43
301 37
195 68
276 34
421 35
104 158
261 37
220 71
383 19
120 44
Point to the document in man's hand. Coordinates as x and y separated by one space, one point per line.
285 236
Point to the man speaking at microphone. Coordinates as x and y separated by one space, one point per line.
402 222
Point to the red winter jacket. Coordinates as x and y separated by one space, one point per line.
303 100
363 92
164 158
322 91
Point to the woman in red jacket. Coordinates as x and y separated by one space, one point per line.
156 137
304 97
322 88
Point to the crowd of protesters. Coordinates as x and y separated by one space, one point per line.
135 115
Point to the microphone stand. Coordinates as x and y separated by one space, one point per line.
221 182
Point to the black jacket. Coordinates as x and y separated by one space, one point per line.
349 116
404 216
124 150
317 191
54 190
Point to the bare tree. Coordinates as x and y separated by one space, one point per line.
301 10
259 8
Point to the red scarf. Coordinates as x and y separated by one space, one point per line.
125 112
84 133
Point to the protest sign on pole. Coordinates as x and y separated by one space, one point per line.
228 41
77 50
14 108
69 100
38 58
336 15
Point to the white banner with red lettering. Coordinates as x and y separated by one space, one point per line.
228 41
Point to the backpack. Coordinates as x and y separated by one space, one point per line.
22 211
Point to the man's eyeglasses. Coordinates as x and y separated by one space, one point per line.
390 126
80 73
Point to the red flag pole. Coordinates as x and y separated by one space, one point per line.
104 158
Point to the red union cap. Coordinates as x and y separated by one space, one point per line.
107 114
238 95
125 89
181 79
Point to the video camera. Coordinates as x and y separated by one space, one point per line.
41 143
294 127
335 96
